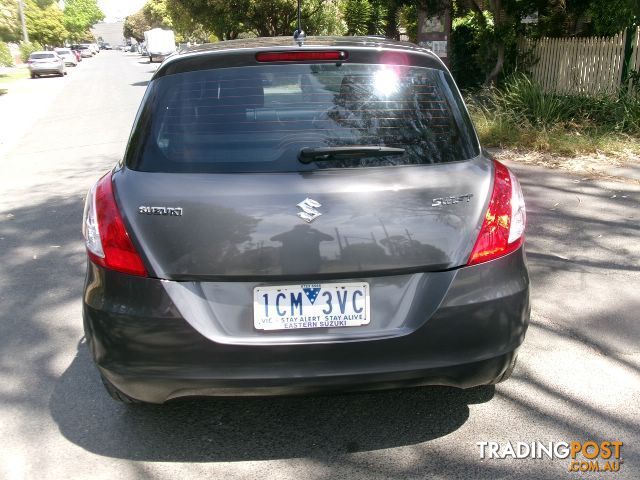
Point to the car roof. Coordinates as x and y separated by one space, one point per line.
193 58
320 41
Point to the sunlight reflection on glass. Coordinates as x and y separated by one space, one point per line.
385 82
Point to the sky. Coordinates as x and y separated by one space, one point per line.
116 9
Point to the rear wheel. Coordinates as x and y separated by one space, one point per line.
507 373
33 75
117 395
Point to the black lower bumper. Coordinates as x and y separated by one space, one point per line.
157 389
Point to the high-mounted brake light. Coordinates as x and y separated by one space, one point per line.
301 56
107 240
502 229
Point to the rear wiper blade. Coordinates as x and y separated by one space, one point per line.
307 155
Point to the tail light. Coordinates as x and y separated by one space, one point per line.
107 240
502 229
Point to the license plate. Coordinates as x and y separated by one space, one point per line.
312 305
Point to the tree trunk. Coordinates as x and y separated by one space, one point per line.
501 20
493 75
391 27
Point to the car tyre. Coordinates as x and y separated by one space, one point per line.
507 373
33 75
117 395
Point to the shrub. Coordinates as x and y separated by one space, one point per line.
521 114
27 48
6 60
523 102
471 54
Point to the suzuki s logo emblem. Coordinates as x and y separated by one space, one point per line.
309 212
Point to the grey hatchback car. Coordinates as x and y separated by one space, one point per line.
291 218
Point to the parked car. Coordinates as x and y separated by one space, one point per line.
295 218
78 55
46 63
68 56
84 49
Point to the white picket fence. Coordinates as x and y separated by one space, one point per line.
585 66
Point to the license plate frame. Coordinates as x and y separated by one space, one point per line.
311 306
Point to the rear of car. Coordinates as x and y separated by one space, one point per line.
290 219
68 56
45 63
84 49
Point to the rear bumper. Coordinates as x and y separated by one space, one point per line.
145 347
45 70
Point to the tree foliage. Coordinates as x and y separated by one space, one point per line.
166 14
80 16
135 25
27 48
45 25
608 18
357 14
157 14
228 18
6 60
9 21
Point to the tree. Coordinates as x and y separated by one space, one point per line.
188 28
165 14
135 25
266 18
504 28
357 16
80 16
45 25
609 18
9 21
157 14
222 18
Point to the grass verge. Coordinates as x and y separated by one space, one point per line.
520 115
13 75
500 132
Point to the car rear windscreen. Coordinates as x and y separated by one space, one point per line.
38 56
260 118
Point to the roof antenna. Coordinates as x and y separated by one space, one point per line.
299 35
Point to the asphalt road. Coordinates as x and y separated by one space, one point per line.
578 376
